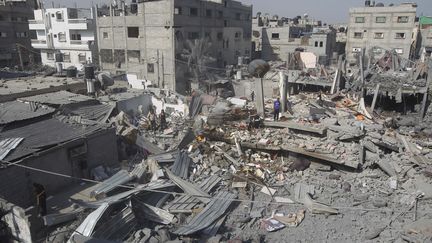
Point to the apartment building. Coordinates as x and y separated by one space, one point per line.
376 28
70 31
150 38
15 46
424 48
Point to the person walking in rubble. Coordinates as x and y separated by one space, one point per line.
252 96
162 118
276 109
152 119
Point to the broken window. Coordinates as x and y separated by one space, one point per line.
193 35
119 57
316 43
178 10
82 58
150 68
208 13
358 35
62 37
105 35
379 35
193 12
133 32
360 19
59 16
380 19
220 36
275 36
400 36
321 44
237 35
207 35
66 57
106 55
134 56
403 19
50 55
76 37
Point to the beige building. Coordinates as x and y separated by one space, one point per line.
150 38
378 28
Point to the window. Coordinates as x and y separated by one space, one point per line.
220 14
219 36
193 35
403 19
360 19
193 12
207 35
62 37
399 50
225 4
226 23
1 18
14 19
50 55
238 16
150 68
400 36
3 34
356 50
134 56
119 57
380 19
208 13
275 36
105 35
178 10
59 16
76 37
82 57
106 55
321 44
133 32
53 15
358 35
379 35
237 35
66 57
316 43
21 34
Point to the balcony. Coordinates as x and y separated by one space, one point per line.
36 24
39 44
79 24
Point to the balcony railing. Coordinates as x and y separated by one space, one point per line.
78 21
78 42
43 42
34 21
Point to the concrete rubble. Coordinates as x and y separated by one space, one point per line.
323 172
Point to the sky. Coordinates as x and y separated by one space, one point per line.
329 11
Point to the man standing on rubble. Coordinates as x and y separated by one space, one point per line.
152 119
276 109
162 118
252 96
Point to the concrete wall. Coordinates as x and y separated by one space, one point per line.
16 186
389 29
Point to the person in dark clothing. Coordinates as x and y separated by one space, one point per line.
253 95
162 118
276 109
41 197
152 119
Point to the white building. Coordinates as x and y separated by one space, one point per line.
67 30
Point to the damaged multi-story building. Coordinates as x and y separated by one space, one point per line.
376 28
424 48
15 46
276 38
155 40
70 31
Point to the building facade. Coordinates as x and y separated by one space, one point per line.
15 46
424 49
152 38
376 28
70 31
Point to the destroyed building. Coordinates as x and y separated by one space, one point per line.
377 28
160 40
69 31
424 49
14 32
275 39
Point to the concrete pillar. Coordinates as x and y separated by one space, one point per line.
259 96
283 89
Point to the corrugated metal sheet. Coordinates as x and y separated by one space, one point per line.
7 145
60 98
212 212
40 135
188 187
98 112
181 165
195 106
19 111
111 183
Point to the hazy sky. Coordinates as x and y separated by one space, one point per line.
330 11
